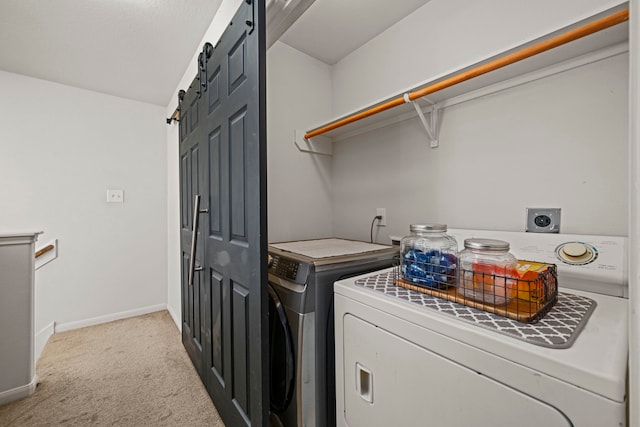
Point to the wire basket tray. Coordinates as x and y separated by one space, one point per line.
525 298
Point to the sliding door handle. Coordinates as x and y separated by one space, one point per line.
194 238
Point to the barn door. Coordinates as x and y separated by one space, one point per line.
231 302
191 183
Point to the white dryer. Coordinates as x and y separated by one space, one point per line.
407 359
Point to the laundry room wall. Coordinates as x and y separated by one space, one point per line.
556 142
61 149
299 184
444 36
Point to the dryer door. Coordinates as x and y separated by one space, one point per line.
281 355
391 381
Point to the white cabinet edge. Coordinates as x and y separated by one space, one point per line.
18 238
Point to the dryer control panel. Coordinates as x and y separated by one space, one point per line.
585 262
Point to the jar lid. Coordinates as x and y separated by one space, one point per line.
486 244
428 227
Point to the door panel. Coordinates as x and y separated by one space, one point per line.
185 290
193 114
241 348
184 191
217 326
237 190
237 57
215 183
213 90
223 158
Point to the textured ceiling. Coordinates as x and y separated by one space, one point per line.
136 49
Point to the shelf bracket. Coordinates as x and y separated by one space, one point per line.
317 145
431 126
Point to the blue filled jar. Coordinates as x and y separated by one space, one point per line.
429 256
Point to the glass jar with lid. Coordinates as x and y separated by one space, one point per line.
487 271
429 256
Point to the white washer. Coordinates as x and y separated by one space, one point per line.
399 363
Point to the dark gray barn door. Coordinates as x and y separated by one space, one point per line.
191 183
230 302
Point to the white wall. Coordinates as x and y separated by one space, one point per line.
299 184
444 36
61 148
498 154
173 221
634 217
556 142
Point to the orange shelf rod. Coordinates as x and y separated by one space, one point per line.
571 35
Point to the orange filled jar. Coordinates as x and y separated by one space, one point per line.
487 271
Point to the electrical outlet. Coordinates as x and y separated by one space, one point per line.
382 222
543 220
115 196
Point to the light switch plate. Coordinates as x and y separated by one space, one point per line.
115 196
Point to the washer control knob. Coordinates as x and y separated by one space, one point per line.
574 249
270 261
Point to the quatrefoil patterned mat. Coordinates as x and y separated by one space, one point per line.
557 329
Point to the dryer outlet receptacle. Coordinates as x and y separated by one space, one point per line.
543 220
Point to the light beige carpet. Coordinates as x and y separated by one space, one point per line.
131 372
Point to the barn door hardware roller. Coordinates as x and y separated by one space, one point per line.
203 59
175 117
251 23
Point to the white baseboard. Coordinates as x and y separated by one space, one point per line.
19 392
176 319
42 337
61 327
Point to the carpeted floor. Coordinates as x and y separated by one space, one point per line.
131 372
